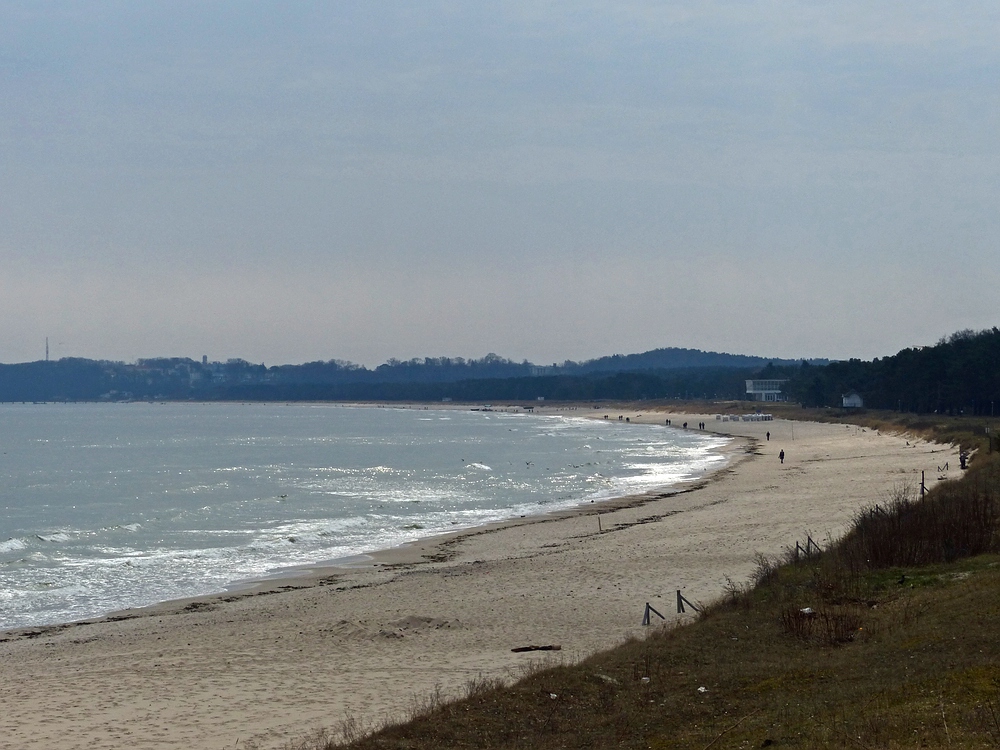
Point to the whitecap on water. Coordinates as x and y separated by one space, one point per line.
13 544
57 537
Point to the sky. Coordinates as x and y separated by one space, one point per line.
296 181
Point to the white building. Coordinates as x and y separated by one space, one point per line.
765 390
852 400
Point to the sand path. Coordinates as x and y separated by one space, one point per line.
266 667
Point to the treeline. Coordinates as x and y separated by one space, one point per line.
702 383
673 358
65 380
85 380
663 373
417 370
494 367
958 375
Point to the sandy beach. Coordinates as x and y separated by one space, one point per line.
264 666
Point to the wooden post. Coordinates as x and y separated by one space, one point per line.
645 616
681 601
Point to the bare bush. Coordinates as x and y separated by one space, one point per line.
954 520
479 685
765 569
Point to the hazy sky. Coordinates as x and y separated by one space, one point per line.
291 181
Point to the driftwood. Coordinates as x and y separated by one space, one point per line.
553 647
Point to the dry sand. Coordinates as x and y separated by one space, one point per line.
267 666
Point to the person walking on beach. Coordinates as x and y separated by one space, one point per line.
769 436
781 456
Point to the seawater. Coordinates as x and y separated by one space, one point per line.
113 506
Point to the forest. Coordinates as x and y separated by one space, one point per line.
958 375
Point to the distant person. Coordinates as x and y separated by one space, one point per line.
781 456
769 437
685 425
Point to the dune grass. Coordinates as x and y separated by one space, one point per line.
889 638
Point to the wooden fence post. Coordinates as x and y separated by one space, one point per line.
681 601
645 616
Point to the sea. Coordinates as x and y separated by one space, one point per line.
112 506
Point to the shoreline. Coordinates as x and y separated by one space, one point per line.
271 664
408 552
416 551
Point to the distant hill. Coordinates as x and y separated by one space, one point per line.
673 358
